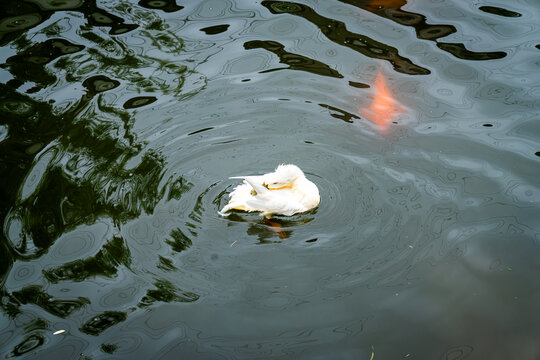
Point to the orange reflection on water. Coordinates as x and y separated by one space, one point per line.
276 227
387 4
384 108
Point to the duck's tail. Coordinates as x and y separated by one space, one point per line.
227 208
223 212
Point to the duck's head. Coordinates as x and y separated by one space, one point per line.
284 177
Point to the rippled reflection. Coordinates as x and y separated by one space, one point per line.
217 29
121 121
104 263
139 101
499 11
33 12
166 292
79 165
340 114
29 64
337 32
295 61
101 322
391 9
461 52
165 5
179 242
30 343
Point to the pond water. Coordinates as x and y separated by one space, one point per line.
122 121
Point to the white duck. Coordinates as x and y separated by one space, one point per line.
286 191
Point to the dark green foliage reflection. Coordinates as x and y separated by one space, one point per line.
104 263
337 32
392 10
295 61
73 160
499 11
28 344
108 348
18 16
214 30
61 308
34 294
165 5
179 241
29 64
102 322
166 292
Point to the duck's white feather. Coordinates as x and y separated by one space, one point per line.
284 192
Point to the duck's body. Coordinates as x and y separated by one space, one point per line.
283 192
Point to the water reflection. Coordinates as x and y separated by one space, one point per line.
384 108
266 231
105 263
180 241
106 56
80 163
109 348
295 61
165 291
101 322
114 146
165 5
337 32
214 30
340 114
30 343
34 294
499 11
20 16
270 231
459 50
391 9
29 65
80 177
139 101
99 83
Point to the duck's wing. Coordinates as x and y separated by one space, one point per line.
255 182
268 205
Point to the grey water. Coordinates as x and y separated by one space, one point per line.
122 121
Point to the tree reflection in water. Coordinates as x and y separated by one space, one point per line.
70 159
391 9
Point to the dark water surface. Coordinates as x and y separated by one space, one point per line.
120 123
